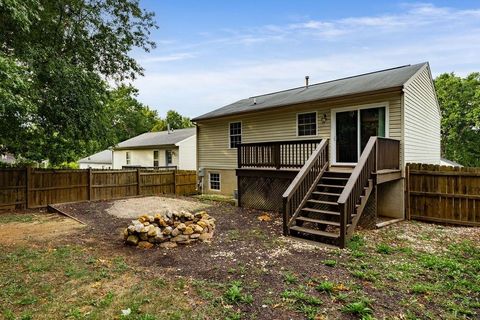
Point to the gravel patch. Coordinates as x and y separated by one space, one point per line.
134 207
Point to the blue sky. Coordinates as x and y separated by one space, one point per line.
211 53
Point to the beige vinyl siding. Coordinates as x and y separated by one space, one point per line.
187 155
279 125
422 120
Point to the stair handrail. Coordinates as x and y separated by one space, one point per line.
304 184
362 172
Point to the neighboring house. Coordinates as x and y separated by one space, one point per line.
258 145
449 163
99 160
174 148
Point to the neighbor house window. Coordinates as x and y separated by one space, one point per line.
215 181
127 157
235 134
307 124
168 157
155 158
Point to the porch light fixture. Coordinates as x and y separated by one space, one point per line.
324 118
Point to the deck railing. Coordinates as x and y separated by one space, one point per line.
304 184
279 154
379 154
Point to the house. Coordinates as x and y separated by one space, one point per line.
99 160
326 153
449 163
7 159
172 148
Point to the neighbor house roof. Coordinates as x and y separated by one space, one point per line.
156 139
368 82
450 162
104 156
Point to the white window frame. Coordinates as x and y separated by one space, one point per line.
156 159
210 181
229 135
166 157
316 123
128 158
333 133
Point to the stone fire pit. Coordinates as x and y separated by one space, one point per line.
169 229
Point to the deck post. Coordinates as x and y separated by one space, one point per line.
276 155
286 217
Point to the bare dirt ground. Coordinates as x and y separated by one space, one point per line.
395 272
130 208
43 227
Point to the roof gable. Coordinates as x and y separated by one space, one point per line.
154 139
104 156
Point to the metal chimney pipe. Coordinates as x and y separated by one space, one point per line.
306 81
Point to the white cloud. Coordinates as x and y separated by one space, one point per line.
167 58
268 58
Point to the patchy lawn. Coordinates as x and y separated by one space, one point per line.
408 270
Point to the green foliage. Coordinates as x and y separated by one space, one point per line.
384 248
459 100
290 277
330 263
359 308
325 286
235 293
175 120
55 58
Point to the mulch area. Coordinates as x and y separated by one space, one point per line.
243 248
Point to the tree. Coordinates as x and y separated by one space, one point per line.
129 117
175 120
459 100
55 58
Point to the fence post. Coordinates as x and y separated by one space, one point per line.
138 182
90 184
175 181
407 193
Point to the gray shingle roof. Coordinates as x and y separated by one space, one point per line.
374 81
104 156
154 139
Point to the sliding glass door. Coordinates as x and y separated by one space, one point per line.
353 128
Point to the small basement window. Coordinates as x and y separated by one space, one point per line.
307 124
214 181
235 134
127 158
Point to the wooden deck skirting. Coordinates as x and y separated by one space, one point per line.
37 188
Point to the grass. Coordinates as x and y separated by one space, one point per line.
303 302
290 278
45 278
235 293
330 263
9 218
216 198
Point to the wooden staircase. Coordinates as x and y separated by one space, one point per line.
319 218
325 206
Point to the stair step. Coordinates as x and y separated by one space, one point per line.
331 223
330 203
315 232
326 193
333 213
330 185
335 178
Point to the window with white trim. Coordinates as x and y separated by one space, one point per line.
127 158
235 134
155 158
214 179
307 124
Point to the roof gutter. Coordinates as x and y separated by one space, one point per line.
338 98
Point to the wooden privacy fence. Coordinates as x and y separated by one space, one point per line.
35 188
443 194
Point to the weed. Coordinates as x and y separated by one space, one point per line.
330 263
325 286
301 296
359 308
420 288
234 293
384 248
356 243
289 278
